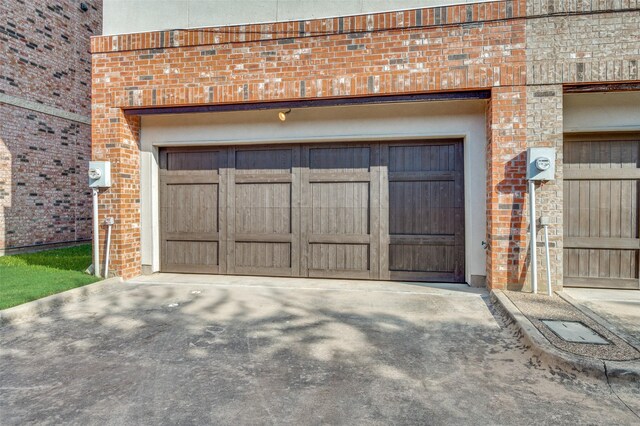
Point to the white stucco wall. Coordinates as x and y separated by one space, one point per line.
353 123
595 112
132 16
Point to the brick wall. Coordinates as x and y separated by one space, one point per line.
544 129
506 187
45 142
599 47
596 48
478 46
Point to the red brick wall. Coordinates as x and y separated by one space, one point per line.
45 58
353 56
506 186
190 67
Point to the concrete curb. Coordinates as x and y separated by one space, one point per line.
37 307
543 349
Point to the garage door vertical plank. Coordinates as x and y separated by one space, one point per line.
231 210
459 206
374 203
605 226
383 179
296 204
223 177
305 211
573 224
583 262
615 256
163 219
626 228
594 226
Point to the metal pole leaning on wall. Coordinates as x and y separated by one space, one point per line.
96 235
532 224
544 221
108 223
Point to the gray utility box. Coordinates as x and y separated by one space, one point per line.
99 174
541 164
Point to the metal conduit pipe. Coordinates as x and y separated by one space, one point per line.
544 221
108 222
532 223
96 235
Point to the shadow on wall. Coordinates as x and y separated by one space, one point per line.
5 187
515 185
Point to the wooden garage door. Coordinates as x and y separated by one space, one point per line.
601 240
370 211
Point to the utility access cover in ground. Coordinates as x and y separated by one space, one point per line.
576 332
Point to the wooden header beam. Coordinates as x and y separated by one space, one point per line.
311 103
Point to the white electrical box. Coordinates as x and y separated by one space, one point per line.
99 174
541 164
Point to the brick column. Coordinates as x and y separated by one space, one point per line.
506 188
115 137
545 129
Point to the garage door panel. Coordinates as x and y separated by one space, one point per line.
263 208
436 202
422 258
340 208
193 160
429 157
263 255
596 263
340 159
189 254
601 208
257 161
340 257
183 207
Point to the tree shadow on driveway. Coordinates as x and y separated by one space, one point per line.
198 354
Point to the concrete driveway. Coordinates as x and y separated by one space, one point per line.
621 308
178 349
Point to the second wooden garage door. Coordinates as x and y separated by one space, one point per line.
601 221
371 211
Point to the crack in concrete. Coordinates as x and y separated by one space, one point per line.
606 374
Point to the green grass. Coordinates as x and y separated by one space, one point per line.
27 277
